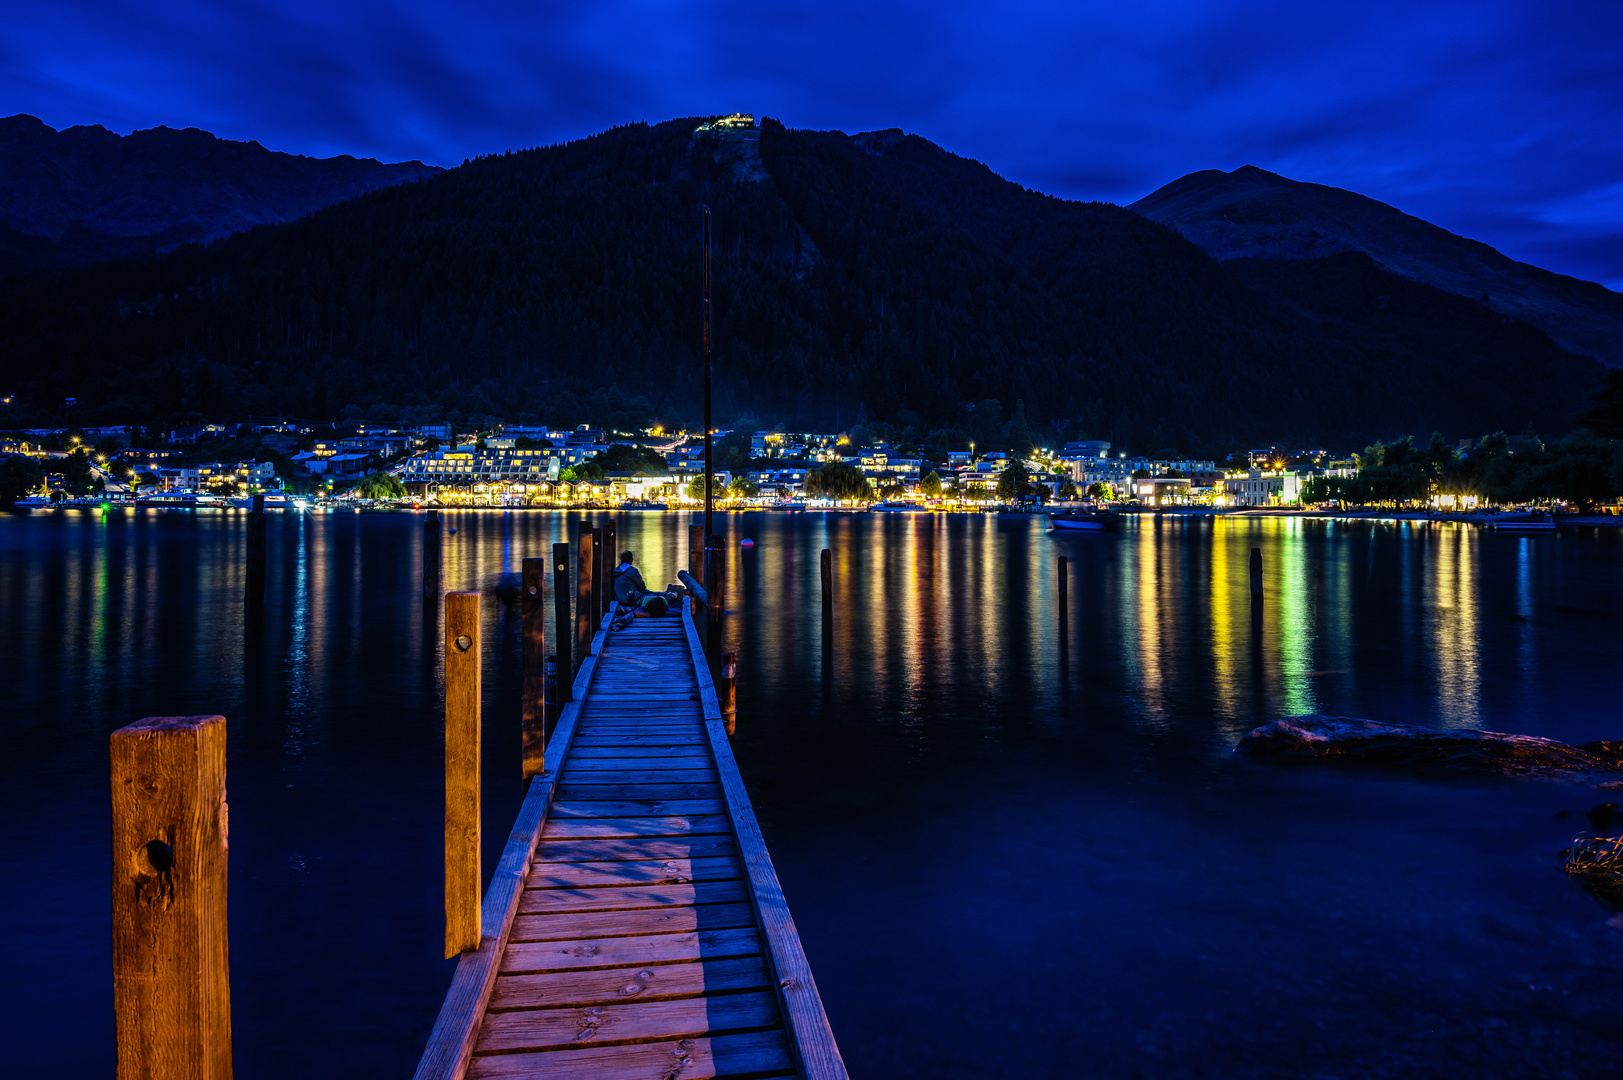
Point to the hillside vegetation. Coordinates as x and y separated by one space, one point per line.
873 278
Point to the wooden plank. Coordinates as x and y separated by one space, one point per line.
636 923
635 848
578 777
622 762
669 872
638 808
623 898
450 1044
630 1022
463 877
670 825
615 792
630 951
759 1054
811 1038
171 978
630 746
605 986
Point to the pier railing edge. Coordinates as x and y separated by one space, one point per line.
810 1037
450 1044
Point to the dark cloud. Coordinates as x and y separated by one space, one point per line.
1495 118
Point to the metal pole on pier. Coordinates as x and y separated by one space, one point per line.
171 976
709 496
715 587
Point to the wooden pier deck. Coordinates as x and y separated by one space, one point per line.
635 928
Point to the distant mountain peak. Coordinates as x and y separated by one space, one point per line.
86 193
1253 213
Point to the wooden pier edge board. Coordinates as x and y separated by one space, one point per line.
810 1037
450 1044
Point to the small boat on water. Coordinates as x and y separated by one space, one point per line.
643 504
185 500
899 508
1082 521
1535 526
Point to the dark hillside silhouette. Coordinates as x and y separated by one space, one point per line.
874 276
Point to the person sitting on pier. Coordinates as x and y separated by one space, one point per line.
632 592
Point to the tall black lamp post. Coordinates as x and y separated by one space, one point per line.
709 497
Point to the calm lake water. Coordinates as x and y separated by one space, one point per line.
1012 851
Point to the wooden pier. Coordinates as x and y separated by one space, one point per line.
635 927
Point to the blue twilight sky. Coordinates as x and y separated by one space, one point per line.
1499 119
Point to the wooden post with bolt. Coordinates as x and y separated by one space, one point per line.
533 610
171 975
585 572
562 625
462 876
1064 583
727 691
1256 575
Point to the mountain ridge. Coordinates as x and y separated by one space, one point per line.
1253 213
85 193
872 275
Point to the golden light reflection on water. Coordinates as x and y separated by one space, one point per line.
1449 595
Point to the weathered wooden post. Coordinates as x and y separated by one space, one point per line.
696 560
171 976
611 559
1256 575
827 567
1064 584
462 875
585 573
533 609
562 625
431 555
715 586
600 583
727 691
254 592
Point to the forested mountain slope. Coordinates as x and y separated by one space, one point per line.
874 272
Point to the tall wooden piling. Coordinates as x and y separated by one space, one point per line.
171 977
727 692
254 579
585 573
611 559
562 625
827 566
695 561
431 555
600 583
1256 575
715 587
1064 583
462 740
533 609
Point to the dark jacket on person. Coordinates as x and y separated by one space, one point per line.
628 584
